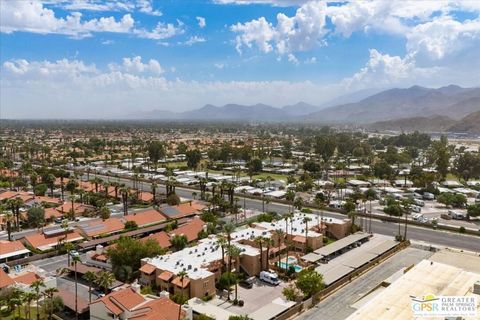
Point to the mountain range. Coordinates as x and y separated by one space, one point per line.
414 107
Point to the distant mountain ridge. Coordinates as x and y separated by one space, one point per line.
419 104
397 103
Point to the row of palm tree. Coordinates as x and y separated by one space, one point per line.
17 298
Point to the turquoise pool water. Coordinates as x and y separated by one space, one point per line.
283 265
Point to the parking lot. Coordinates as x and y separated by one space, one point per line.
255 298
432 210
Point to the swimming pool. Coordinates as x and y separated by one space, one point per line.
283 265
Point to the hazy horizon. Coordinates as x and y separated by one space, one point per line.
92 59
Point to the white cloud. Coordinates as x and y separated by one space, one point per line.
201 22
135 65
311 60
192 40
219 65
33 16
145 6
108 42
442 38
161 31
93 5
279 3
71 88
300 32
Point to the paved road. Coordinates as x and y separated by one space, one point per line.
439 237
341 304
52 264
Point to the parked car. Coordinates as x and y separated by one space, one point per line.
417 196
416 209
457 215
269 277
419 203
74 253
428 196
247 283
417 216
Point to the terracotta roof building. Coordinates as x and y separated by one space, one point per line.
145 218
102 227
127 303
12 250
187 209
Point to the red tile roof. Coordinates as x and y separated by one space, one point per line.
190 229
96 228
161 237
5 279
39 240
158 309
145 218
190 208
27 278
120 301
10 247
147 269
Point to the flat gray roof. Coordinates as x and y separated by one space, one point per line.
383 247
332 273
341 244
311 257
359 260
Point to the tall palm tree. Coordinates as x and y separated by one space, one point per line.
280 235
76 259
269 243
29 297
9 219
306 220
182 274
228 230
68 247
16 300
49 294
235 252
259 241
222 242
36 286
90 277
124 191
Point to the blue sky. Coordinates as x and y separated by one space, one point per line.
91 58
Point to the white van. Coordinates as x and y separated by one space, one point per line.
428 196
269 277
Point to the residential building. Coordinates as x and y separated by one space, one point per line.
12 250
127 303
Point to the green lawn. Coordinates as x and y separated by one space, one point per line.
14 315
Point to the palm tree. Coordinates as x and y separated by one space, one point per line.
75 261
280 234
104 280
68 247
49 294
90 277
370 195
124 191
181 275
228 230
9 219
268 242
306 220
259 241
16 300
36 286
222 242
29 297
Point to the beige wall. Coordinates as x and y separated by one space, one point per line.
202 287
339 230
